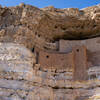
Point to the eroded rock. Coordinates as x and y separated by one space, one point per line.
29 23
24 28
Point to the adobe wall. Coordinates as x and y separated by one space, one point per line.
76 60
40 42
80 63
92 45
55 60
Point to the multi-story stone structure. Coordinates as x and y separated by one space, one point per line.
75 59
79 55
65 70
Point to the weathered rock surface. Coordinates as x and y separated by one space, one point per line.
22 79
24 27
29 25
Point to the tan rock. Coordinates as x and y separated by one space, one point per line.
15 60
49 25
23 28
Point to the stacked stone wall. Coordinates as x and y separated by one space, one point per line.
55 60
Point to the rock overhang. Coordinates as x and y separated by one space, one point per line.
34 27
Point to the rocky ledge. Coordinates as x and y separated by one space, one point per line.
25 29
29 25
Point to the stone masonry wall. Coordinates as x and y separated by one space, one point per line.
80 63
92 46
55 60
26 26
20 78
76 59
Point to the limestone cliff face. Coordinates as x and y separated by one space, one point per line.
47 24
23 28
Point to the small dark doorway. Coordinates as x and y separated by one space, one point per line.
37 57
32 50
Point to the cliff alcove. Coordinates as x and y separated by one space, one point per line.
49 53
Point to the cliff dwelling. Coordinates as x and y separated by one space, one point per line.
49 53
78 55
76 59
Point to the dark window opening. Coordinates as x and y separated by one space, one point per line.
47 56
56 27
37 57
77 50
32 49
11 14
63 28
28 26
94 26
38 35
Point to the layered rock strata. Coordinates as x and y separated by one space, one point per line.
24 28
32 26
22 79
